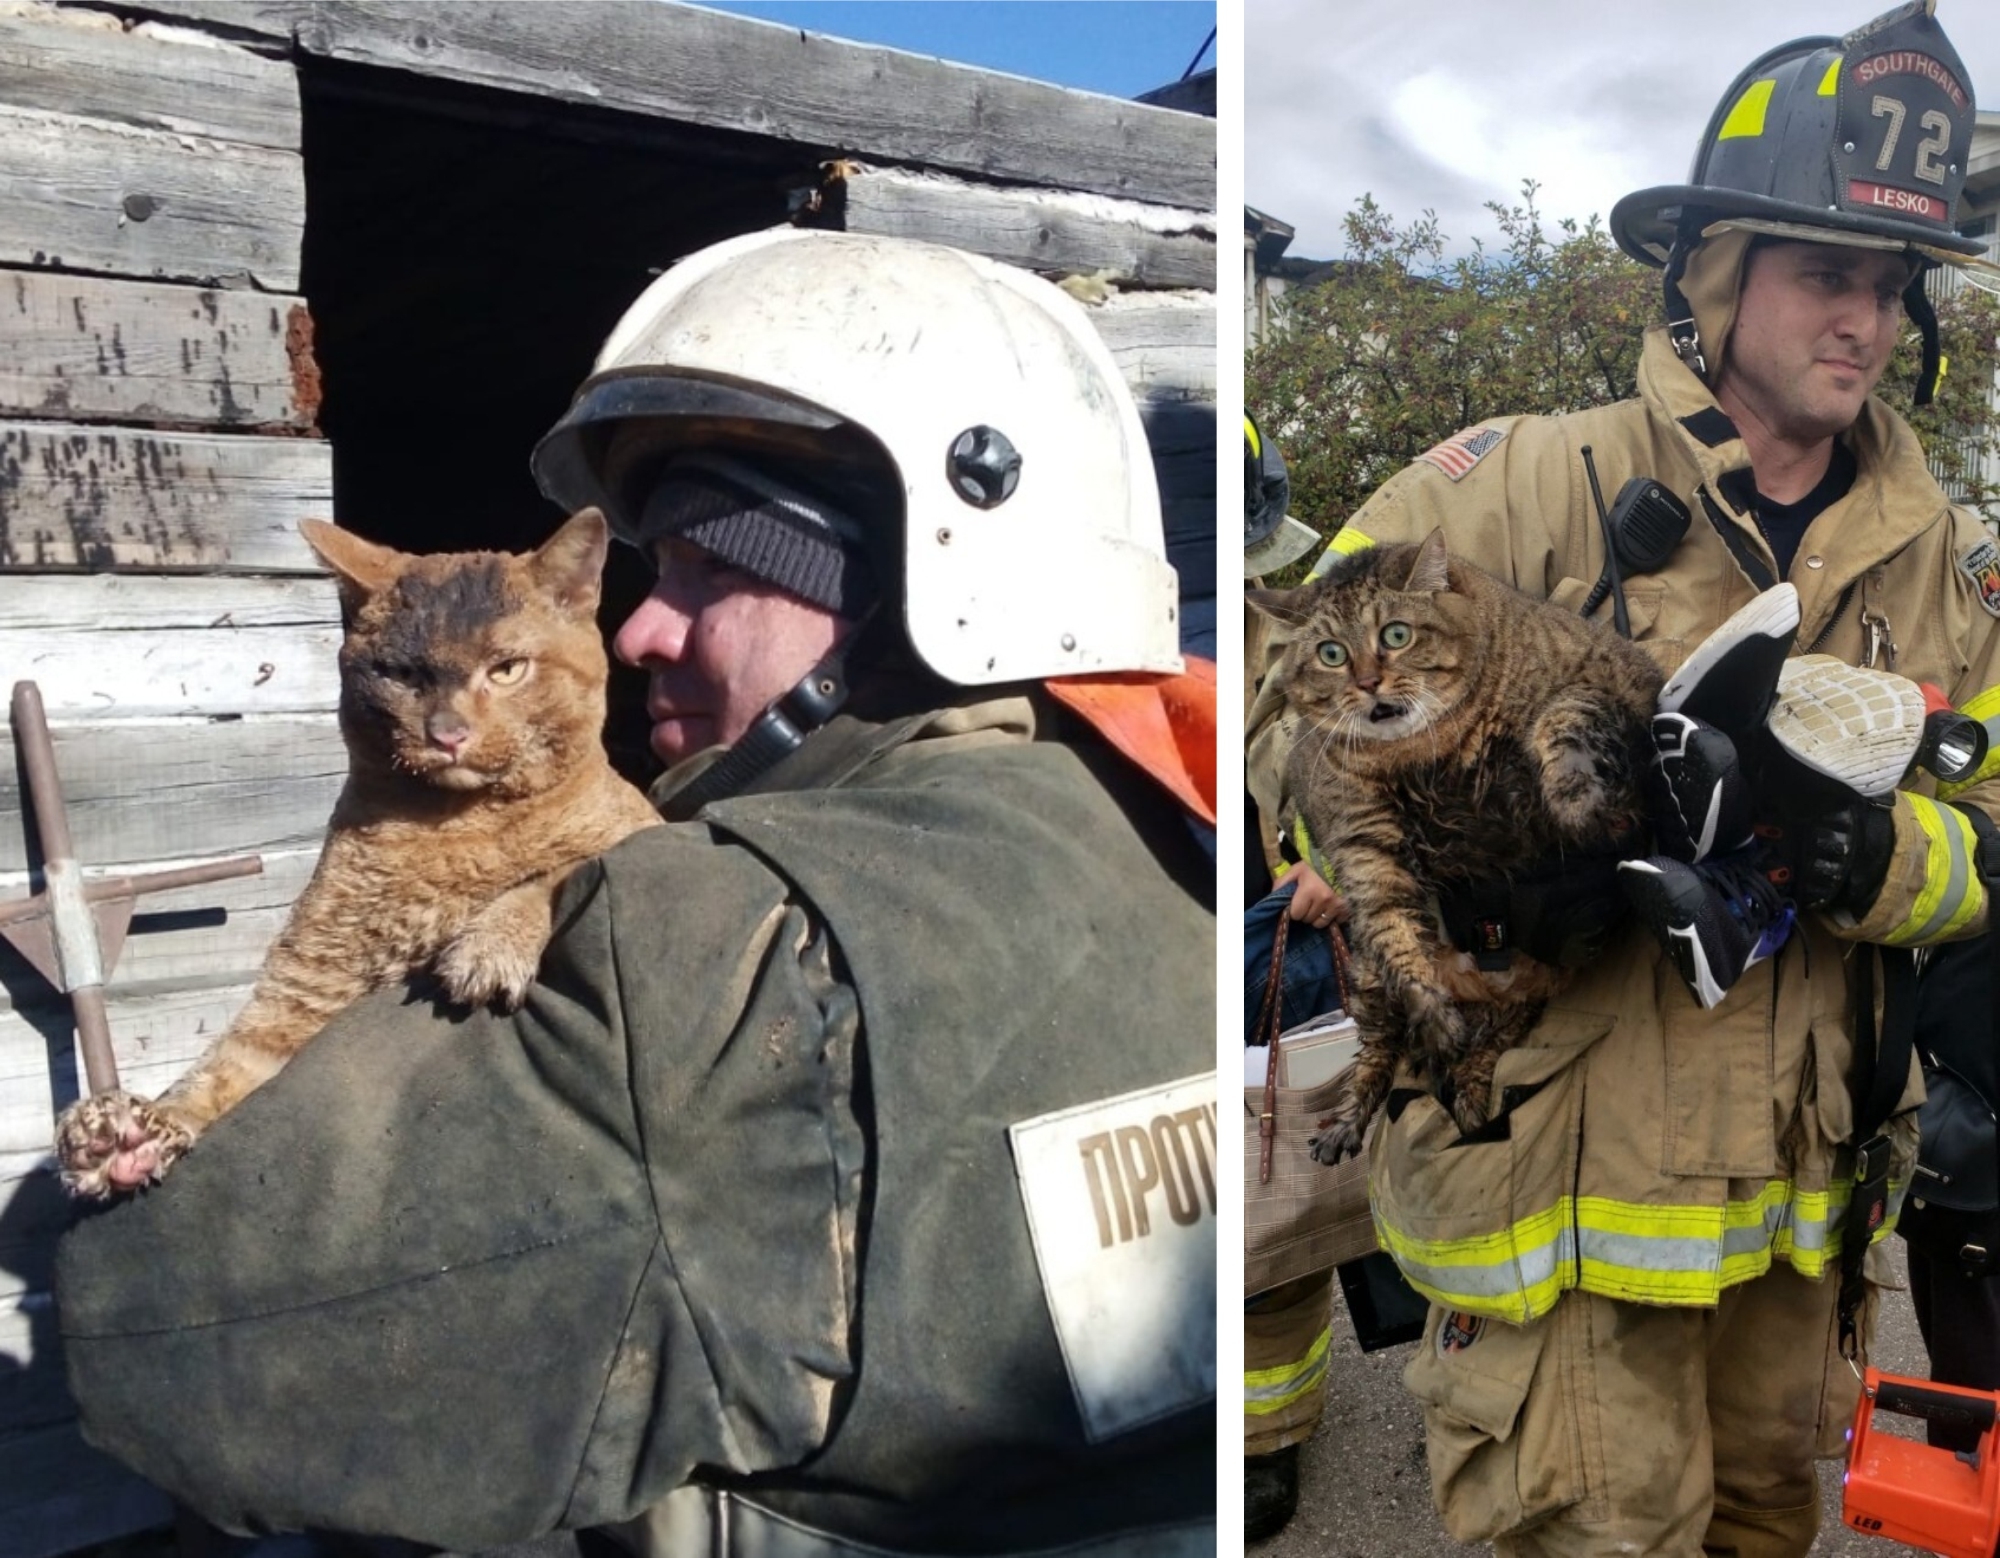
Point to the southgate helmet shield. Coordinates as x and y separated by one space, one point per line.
1863 137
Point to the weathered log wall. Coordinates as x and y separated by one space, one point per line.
157 402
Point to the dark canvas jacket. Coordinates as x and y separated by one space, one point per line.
729 1199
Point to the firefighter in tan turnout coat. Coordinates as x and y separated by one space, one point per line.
1633 1341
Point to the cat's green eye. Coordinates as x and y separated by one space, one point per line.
1397 635
1332 654
506 673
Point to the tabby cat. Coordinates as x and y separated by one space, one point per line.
1446 730
472 701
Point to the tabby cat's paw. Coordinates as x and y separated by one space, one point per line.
1470 1105
478 969
1337 1139
113 1143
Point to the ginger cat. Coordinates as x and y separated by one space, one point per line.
472 706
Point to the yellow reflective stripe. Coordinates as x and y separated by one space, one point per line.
1747 117
1986 709
1272 1390
1345 543
1250 437
1952 893
1829 84
1302 842
1682 1255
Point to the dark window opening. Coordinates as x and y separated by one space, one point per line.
466 252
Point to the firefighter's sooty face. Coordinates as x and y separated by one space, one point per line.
718 645
1814 329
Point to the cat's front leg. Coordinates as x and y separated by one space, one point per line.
495 956
1366 1089
1582 746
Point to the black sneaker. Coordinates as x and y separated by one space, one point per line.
1270 1492
1695 789
1731 678
1715 919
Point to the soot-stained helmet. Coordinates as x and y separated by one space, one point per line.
1859 140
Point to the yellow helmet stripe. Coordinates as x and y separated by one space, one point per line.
1746 119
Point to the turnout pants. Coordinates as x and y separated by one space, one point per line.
1287 1331
1608 1427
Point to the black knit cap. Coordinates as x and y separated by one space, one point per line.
765 524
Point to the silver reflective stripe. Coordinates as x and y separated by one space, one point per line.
697 1522
1519 1272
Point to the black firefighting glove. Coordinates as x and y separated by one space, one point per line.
1833 857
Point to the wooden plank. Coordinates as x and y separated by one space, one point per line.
109 646
137 790
1044 230
1164 342
80 348
73 496
58 1495
81 62
733 72
87 194
191 937
154 1036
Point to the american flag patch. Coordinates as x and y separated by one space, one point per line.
1460 452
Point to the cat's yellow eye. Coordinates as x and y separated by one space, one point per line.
1332 654
507 672
1397 635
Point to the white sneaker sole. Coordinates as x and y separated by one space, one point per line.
1860 728
1773 614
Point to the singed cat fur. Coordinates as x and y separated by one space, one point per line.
472 705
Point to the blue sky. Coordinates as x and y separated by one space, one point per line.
1118 47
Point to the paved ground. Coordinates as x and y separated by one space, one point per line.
1365 1492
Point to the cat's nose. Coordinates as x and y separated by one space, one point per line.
1368 683
447 735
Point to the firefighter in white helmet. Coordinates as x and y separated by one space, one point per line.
842 1102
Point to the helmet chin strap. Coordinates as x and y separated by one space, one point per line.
1681 329
776 733
1917 304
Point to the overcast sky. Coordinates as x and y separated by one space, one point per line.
1446 104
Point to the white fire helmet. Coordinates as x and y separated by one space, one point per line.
1031 540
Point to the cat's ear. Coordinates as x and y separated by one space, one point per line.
570 564
1284 607
361 568
1431 572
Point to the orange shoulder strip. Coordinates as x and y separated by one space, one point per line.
1163 723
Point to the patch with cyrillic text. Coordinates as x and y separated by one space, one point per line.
1121 1203
1982 566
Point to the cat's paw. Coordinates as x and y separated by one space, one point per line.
481 967
1337 1139
112 1144
1436 1025
1575 792
1470 1105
